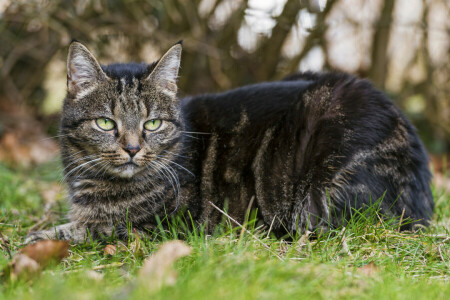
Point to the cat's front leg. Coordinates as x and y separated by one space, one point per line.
72 231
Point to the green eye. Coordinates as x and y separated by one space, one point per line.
152 125
105 124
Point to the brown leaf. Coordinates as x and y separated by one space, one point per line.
369 270
4 244
135 247
47 251
23 266
304 239
109 250
158 268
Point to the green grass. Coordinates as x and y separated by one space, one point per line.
228 265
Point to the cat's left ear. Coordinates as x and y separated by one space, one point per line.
83 70
165 73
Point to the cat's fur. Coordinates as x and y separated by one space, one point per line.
308 149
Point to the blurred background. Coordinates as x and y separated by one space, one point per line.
401 46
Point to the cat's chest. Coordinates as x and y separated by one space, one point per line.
95 201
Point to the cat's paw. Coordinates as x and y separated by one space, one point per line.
36 236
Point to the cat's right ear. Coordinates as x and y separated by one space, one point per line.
165 73
83 70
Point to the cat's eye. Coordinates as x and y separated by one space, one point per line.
153 125
105 124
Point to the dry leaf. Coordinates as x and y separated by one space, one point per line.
33 258
4 244
158 268
47 251
369 270
23 266
136 248
109 250
305 238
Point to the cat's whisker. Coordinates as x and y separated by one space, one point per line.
190 136
171 161
172 173
175 154
53 137
174 179
77 160
177 181
195 132
79 167
162 171
86 170
107 164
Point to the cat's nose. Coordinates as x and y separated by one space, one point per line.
132 149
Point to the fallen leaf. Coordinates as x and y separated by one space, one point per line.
158 268
4 244
304 240
135 247
369 270
33 258
23 266
121 247
109 250
46 251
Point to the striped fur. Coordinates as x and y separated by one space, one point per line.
307 149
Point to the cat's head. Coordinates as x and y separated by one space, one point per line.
122 119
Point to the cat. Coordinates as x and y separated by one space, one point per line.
305 151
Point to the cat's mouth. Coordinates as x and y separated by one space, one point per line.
127 169
130 163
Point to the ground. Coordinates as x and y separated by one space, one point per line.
367 259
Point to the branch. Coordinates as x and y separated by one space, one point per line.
317 36
380 43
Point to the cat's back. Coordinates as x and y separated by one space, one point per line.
259 102
294 141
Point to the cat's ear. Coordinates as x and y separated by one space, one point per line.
83 70
165 73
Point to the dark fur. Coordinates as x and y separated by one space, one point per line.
288 144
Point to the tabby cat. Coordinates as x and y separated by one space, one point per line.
304 151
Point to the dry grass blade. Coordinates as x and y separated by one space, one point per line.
158 268
251 234
112 265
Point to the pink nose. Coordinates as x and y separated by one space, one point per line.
132 149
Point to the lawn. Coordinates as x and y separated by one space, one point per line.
368 259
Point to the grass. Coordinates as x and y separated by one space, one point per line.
366 260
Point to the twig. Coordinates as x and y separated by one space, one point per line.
271 225
401 220
344 243
247 213
96 268
251 234
112 265
440 253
